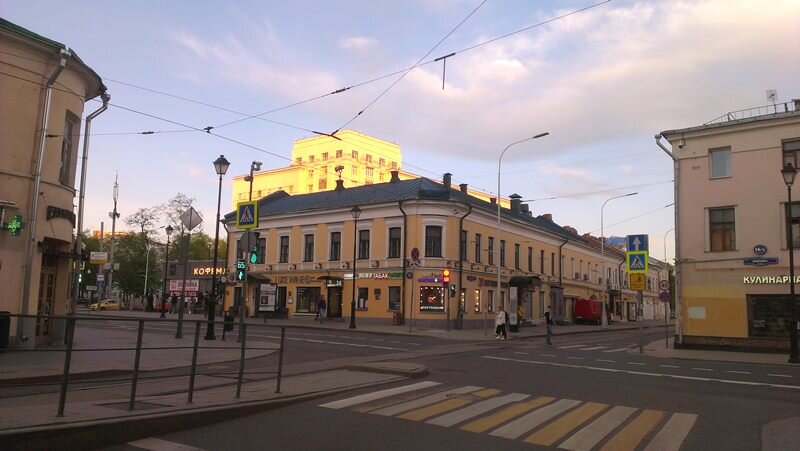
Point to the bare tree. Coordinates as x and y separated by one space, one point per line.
144 219
174 208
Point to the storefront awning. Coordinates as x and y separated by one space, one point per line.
526 280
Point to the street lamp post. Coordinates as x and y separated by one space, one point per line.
789 173
221 167
497 232
604 319
356 212
166 260
146 269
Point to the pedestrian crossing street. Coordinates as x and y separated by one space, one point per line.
599 348
541 420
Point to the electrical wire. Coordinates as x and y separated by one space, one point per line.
588 193
634 217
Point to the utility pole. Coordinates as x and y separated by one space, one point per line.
114 215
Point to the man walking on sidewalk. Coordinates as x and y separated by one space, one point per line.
548 321
321 308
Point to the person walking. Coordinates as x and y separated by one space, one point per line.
321 308
549 323
500 324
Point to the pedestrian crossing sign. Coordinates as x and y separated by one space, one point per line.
636 262
247 214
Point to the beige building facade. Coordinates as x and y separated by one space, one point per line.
732 253
37 174
408 234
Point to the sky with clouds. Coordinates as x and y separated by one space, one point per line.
602 82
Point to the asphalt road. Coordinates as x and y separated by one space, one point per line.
582 384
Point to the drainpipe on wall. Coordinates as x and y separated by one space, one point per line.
79 230
405 266
461 244
25 324
678 288
560 266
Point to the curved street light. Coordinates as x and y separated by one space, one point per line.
604 319
497 232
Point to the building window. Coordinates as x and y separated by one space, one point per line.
720 162
394 242
363 296
336 246
477 248
381 162
394 165
394 299
363 244
795 224
380 176
433 241
307 299
323 184
491 251
431 299
308 248
283 257
324 155
541 261
354 170
368 172
354 154
311 158
530 259
516 256
722 227
552 263
490 301
503 253
476 300
339 153
311 188
369 158
463 245
791 152
68 141
262 250
299 160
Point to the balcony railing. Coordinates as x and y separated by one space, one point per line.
778 108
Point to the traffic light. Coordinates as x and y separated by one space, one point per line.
446 276
240 269
452 290
254 254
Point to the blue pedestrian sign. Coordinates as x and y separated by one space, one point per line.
636 243
636 262
247 214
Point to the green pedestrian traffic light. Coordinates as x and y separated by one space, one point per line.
240 269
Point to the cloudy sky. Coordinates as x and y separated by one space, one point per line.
602 82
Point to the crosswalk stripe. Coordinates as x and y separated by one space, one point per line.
424 401
673 433
589 436
484 424
562 426
157 444
630 436
476 409
378 395
617 350
446 406
534 419
594 348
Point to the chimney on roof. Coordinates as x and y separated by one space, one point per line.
493 201
447 179
395 177
516 201
339 185
547 217
463 187
525 209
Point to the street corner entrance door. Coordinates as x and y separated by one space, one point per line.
247 214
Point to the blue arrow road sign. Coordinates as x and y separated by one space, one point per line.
636 243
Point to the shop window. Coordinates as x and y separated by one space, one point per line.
394 242
394 299
768 315
476 300
336 246
720 162
284 250
462 301
431 299
308 248
433 241
306 301
363 244
477 248
722 228
363 297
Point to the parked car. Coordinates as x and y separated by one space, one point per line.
108 304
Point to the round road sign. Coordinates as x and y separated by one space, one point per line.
663 285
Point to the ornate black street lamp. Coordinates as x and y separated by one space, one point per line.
356 212
221 166
789 173
166 260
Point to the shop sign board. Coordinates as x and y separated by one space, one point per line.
98 258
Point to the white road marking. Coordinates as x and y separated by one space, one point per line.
157 444
575 358
425 401
636 363
669 366
737 372
617 350
523 353
476 409
360 399
778 375
571 346
702 369
593 348
547 355
415 344
673 433
530 421
605 360
589 436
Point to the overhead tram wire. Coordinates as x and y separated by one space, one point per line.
410 69
589 193
635 217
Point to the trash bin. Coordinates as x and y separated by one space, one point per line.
228 322
5 329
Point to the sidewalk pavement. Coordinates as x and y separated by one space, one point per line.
100 416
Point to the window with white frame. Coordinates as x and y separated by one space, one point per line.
283 256
720 162
336 246
433 241
308 248
722 229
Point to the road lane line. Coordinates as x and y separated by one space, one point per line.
589 436
669 366
617 350
486 423
523 353
571 346
157 444
534 419
446 406
605 360
737 372
778 375
575 358
547 355
564 425
672 435
378 395
476 409
636 363
629 437
424 401
702 369
594 348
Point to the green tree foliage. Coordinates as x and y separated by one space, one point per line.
132 255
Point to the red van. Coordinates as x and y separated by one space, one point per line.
588 311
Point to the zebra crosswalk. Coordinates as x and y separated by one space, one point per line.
599 348
542 420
